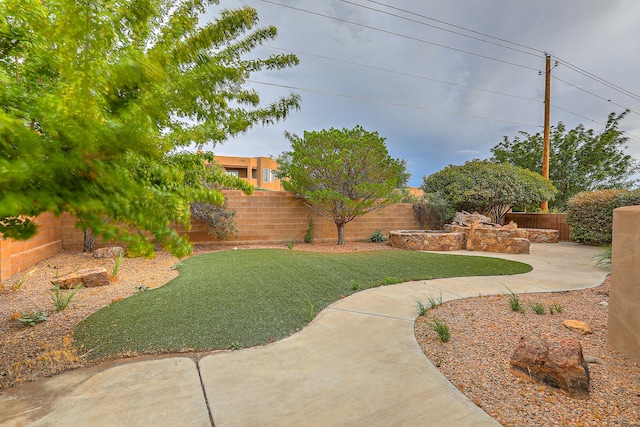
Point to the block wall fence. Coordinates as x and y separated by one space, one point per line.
266 217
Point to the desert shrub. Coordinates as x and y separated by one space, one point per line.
220 221
590 214
432 211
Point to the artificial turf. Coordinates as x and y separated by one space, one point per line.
249 297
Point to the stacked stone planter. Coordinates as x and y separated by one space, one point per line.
427 240
502 240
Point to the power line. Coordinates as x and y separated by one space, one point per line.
402 73
459 27
397 104
437 27
593 94
402 35
599 79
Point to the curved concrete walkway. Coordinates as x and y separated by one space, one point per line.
356 364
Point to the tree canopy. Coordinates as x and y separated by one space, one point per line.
488 187
579 160
96 96
342 174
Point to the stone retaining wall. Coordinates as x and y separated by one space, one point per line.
502 240
419 240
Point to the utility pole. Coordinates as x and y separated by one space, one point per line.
544 206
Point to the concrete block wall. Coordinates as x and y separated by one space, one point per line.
267 217
17 256
277 217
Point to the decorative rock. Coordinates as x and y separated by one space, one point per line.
466 219
604 303
578 326
89 278
558 363
108 252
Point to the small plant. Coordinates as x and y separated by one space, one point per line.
433 302
290 243
537 307
377 237
603 259
514 302
355 285
555 307
308 235
422 309
116 265
139 289
442 329
236 345
391 281
311 310
438 359
32 318
22 279
62 299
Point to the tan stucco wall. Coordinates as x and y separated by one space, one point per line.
624 295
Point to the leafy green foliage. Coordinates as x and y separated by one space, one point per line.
99 97
432 211
555 308
32 318
488 187
579 160
422 308
590 214
342 174
308 235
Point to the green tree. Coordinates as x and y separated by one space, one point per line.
488 187
579 160
94 97
342 174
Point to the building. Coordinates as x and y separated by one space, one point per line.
258 171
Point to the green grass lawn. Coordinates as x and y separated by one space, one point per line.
249 297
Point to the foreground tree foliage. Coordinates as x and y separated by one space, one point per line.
580 159
94 98
342 174
488 187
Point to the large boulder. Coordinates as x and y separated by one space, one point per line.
89 278
558 363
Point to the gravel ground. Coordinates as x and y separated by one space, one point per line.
484 334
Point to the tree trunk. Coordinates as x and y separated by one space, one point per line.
340 228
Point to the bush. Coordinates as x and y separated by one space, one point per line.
590 214
377 237
220 221
432 211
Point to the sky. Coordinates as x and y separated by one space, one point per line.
439 97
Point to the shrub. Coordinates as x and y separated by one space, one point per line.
377 237
432 211
220 221
308 235
590 214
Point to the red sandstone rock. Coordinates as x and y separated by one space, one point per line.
89 278
558 363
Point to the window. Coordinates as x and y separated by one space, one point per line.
265 175
273 176
235 173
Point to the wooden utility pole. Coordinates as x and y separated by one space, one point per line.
544 206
